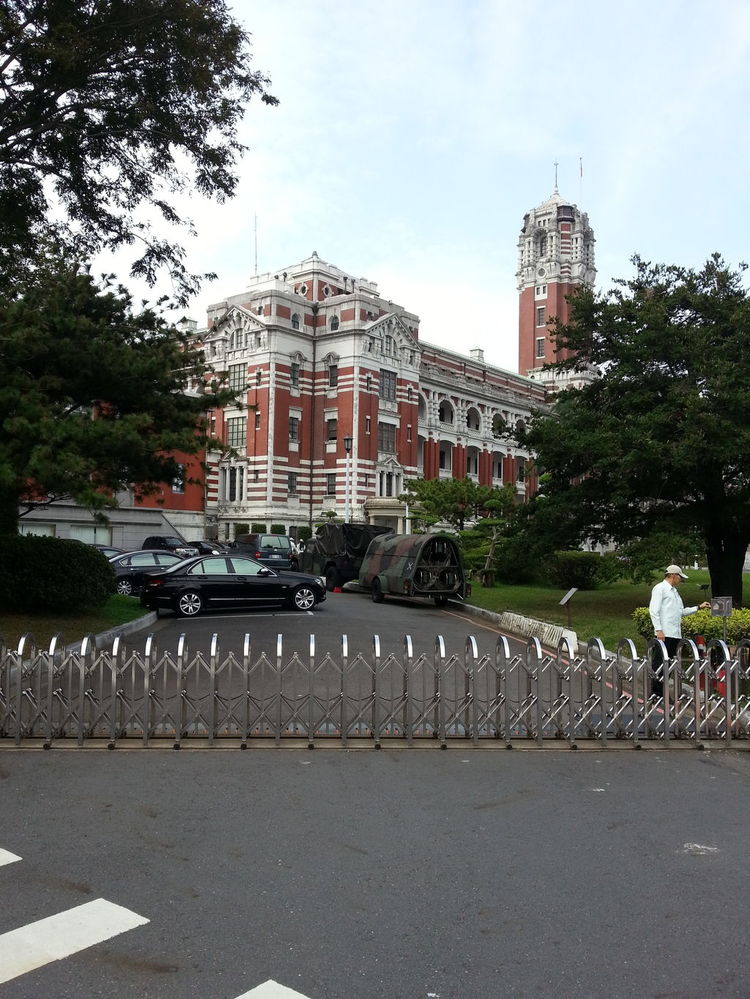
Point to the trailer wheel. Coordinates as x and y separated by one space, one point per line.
377 592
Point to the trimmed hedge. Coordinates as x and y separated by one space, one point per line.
278 529
701 623
42 573
584 570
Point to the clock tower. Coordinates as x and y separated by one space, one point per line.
555 253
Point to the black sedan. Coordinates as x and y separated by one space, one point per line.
228 581
130 568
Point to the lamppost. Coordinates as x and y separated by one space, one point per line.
348 450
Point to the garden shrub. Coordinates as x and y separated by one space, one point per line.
241 529
256 528
584 570
56 574
701 623
278 529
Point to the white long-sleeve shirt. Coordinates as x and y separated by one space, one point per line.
667 610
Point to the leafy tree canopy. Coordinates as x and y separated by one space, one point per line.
455 501
658 445
94 396
110 106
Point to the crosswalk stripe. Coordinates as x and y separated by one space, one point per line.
36 944
272 990
6 857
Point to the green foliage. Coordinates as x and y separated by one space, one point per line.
584 570
111 107
303 533
701 623
278 529
659 443
243 529
455 502
42 573
256 528
92 393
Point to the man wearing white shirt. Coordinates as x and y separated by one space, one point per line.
667 611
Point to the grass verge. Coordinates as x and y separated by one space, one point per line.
73 627
604 613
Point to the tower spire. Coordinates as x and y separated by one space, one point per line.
556 166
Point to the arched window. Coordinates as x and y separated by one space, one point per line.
295 320
445 412
334 322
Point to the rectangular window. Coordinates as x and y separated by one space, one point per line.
368 383
178 482
237 431
294 375
293 428
368 424
237 377
520 469
540 312
331 484
333 375
387 389
236 483
291 483
408 432
387 437
331 430
540 347
258 376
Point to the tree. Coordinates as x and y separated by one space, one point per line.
460 501
658 446
93 396
108 107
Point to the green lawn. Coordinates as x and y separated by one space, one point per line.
117 610
603 613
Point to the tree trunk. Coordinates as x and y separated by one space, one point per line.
726 558
8 511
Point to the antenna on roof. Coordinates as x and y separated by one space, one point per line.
556 165
256 244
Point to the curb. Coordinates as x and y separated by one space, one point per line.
107 637
523 627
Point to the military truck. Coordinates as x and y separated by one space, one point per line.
336 551
414 565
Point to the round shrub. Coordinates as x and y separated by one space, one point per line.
584 570
41 573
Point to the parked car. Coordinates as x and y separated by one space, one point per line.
206 547
131 567
274 550
108 550
414 565
228 581
336 551
170 543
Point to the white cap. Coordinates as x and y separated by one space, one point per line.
675 570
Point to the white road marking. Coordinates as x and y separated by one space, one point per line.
698 850
7 858
272 990
51 939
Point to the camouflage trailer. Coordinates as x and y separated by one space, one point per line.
336 551
414 565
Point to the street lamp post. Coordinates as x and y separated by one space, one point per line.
348 450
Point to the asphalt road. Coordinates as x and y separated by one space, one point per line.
350 614
383 875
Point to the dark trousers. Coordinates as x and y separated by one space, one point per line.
657 684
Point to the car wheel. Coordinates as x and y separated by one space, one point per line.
303 598
189 604
125 587
332 579
376 592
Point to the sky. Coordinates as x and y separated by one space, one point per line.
413 135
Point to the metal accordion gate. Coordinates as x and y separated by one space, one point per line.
535 698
